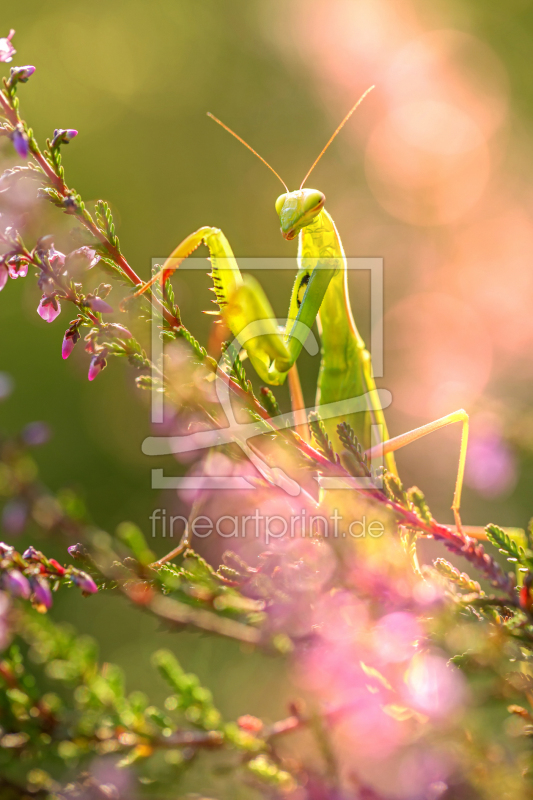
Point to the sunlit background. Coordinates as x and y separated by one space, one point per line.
433 173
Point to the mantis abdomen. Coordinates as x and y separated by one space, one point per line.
346 368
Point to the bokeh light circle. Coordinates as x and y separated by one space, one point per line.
427 163
439 354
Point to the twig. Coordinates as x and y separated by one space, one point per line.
177 613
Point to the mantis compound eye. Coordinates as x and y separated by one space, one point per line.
280 203
313 200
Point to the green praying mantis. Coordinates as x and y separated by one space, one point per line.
320 293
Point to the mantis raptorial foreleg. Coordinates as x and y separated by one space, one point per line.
272 350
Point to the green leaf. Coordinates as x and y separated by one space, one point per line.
417 499
318 432
505 544
133 537
452 574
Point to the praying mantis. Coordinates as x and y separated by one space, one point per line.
319 293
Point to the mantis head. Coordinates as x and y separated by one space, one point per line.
298 209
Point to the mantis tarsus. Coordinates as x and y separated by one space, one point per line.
320 293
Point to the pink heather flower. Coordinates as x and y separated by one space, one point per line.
372 734
68 346
85 582
81 259
56 259
21 143
491 465
77 551
395 636
72 335
17 269
7 51
120 330
434 687
22 74
17 584
98 363
99 305
49 308
4 275
41 592
62 136
340 617
31 554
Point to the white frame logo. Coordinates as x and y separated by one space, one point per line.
239 433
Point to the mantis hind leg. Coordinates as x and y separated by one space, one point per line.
298 404
412 436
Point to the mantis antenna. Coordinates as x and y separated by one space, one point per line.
250 148
343 123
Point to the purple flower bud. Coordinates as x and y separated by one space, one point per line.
14 517
67 346
56 259
62 136
49 308
70 205
99 305
16 584
72 335
98 363
85 582
81 259
120 330
69 342
77 551
20 143
41 591
21 74
7 51
4 275
31 554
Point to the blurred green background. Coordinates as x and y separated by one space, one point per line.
136 79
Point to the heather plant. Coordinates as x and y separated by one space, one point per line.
414 679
